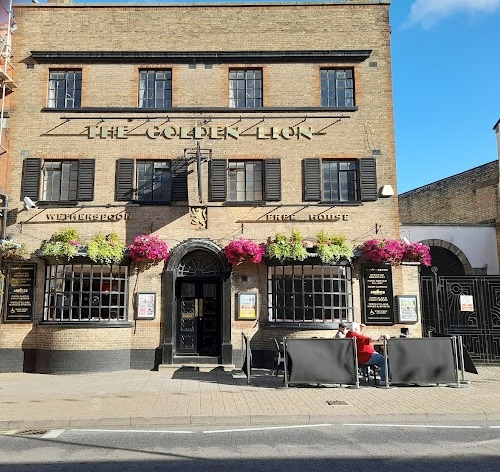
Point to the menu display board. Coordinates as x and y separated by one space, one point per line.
247 305
378 302
20 293
145 305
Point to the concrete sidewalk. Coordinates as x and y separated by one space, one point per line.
145 398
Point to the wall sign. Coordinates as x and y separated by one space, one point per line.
145 306
247 305
378 302
20 294
407 308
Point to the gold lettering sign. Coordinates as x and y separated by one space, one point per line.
203 132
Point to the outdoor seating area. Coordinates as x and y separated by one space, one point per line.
334 362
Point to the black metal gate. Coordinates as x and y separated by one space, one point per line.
441 307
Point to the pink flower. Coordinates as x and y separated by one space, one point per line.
148 248
241 250
417 252
385 250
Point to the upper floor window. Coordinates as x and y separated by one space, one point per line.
335 180
151 181
337 88
245 180
245 88
65 88
58 180
155 88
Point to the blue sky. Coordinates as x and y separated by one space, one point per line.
446 70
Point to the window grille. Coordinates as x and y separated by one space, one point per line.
306 293
85 293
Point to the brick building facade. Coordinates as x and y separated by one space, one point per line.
200 124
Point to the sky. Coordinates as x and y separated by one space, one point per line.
446 85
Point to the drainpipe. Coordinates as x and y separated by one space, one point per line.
4 210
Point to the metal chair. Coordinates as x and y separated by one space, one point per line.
279 357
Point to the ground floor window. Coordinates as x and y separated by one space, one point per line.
310 293
86 292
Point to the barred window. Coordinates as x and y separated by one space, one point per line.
306 293
85 293
155 88
337 88
245 88
65 88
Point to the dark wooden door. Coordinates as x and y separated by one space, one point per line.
198 317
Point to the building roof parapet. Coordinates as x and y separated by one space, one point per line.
201 56
166 4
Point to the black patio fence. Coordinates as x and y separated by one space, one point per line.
320 361
410 361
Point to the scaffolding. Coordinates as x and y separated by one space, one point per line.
7 26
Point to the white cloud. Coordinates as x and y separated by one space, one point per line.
429 12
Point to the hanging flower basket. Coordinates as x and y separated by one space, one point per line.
395 252
106 249
417 252
333 249
148 248
64 244
283 248
241 250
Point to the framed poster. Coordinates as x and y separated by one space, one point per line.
407 308
145 306
247 305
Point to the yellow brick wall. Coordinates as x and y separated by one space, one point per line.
337 26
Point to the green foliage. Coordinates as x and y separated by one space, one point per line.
14 253
106 249
283 248
333 248
62 245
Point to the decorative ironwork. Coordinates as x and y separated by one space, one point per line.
198 264
480 328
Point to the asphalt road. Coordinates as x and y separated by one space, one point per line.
346 447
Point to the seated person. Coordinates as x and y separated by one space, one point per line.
341 331
366 352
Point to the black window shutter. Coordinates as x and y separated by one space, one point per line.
32 168
272 180
368 179
179 180
312 179
124 179
218 179
86 173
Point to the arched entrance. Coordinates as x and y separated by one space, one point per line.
197 306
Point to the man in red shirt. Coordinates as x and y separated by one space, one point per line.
366 352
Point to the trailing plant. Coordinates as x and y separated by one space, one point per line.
333 248
417 252
14 252
63 244
283 248
148 248
394 251
240 250
106 249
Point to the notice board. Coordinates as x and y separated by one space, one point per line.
378 299
20 292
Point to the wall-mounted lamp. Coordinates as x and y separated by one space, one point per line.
29 204
386 191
